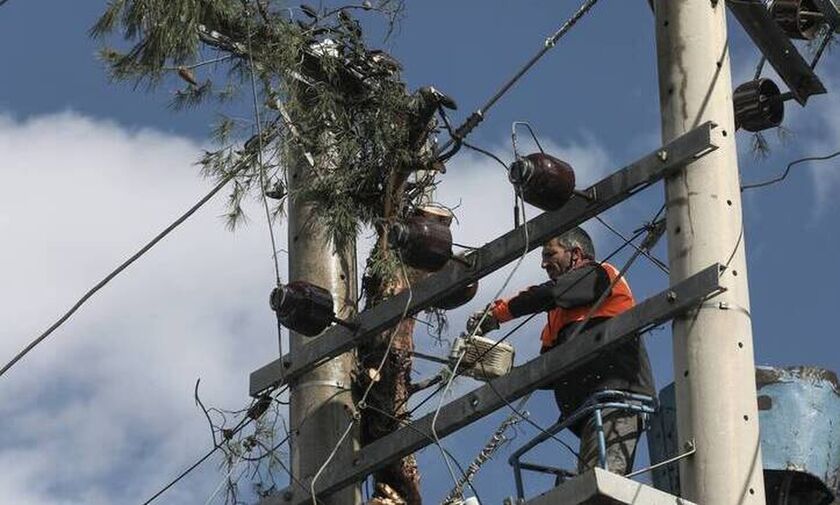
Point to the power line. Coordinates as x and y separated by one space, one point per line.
182 474
787 171
217 445
476 117
647 254
242 164
264 198
244 422
454 371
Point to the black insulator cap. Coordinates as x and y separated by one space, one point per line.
799 19
425 243
546 182
758 105
303 307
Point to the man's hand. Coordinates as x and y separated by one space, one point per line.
487 325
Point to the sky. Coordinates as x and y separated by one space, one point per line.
103 411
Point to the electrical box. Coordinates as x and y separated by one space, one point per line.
484 359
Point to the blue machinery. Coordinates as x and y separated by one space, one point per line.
618 400
799 417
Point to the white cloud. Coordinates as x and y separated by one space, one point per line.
825 174
102 411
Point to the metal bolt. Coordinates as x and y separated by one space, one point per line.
474 402
689 445
357 461
662 155
671 296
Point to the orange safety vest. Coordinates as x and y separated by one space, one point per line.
620 300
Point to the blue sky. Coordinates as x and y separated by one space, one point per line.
103 411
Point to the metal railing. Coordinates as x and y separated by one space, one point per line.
594 405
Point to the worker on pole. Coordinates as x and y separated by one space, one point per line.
582 293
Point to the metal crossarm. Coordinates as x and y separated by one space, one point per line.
494 255
483 401
777 48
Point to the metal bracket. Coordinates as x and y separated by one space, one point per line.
777 48
485 400
494 255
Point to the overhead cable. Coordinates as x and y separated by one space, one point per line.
494 444
250 415
454 370
263 186
243 163
216 446
410 425
476 117
787 170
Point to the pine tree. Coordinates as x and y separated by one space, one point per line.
324 93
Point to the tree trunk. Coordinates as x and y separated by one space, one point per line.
388 399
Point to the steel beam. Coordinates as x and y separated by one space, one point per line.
777 48
494 255
485 400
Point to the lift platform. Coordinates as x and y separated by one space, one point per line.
600 487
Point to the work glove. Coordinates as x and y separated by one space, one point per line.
487 325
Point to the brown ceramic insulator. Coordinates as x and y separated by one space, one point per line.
457 298
799 19
303 307
546 182
424 242
758 105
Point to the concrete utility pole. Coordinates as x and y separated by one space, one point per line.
321 401
714 367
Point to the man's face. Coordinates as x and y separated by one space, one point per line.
556 259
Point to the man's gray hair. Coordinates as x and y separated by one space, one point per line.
577 237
